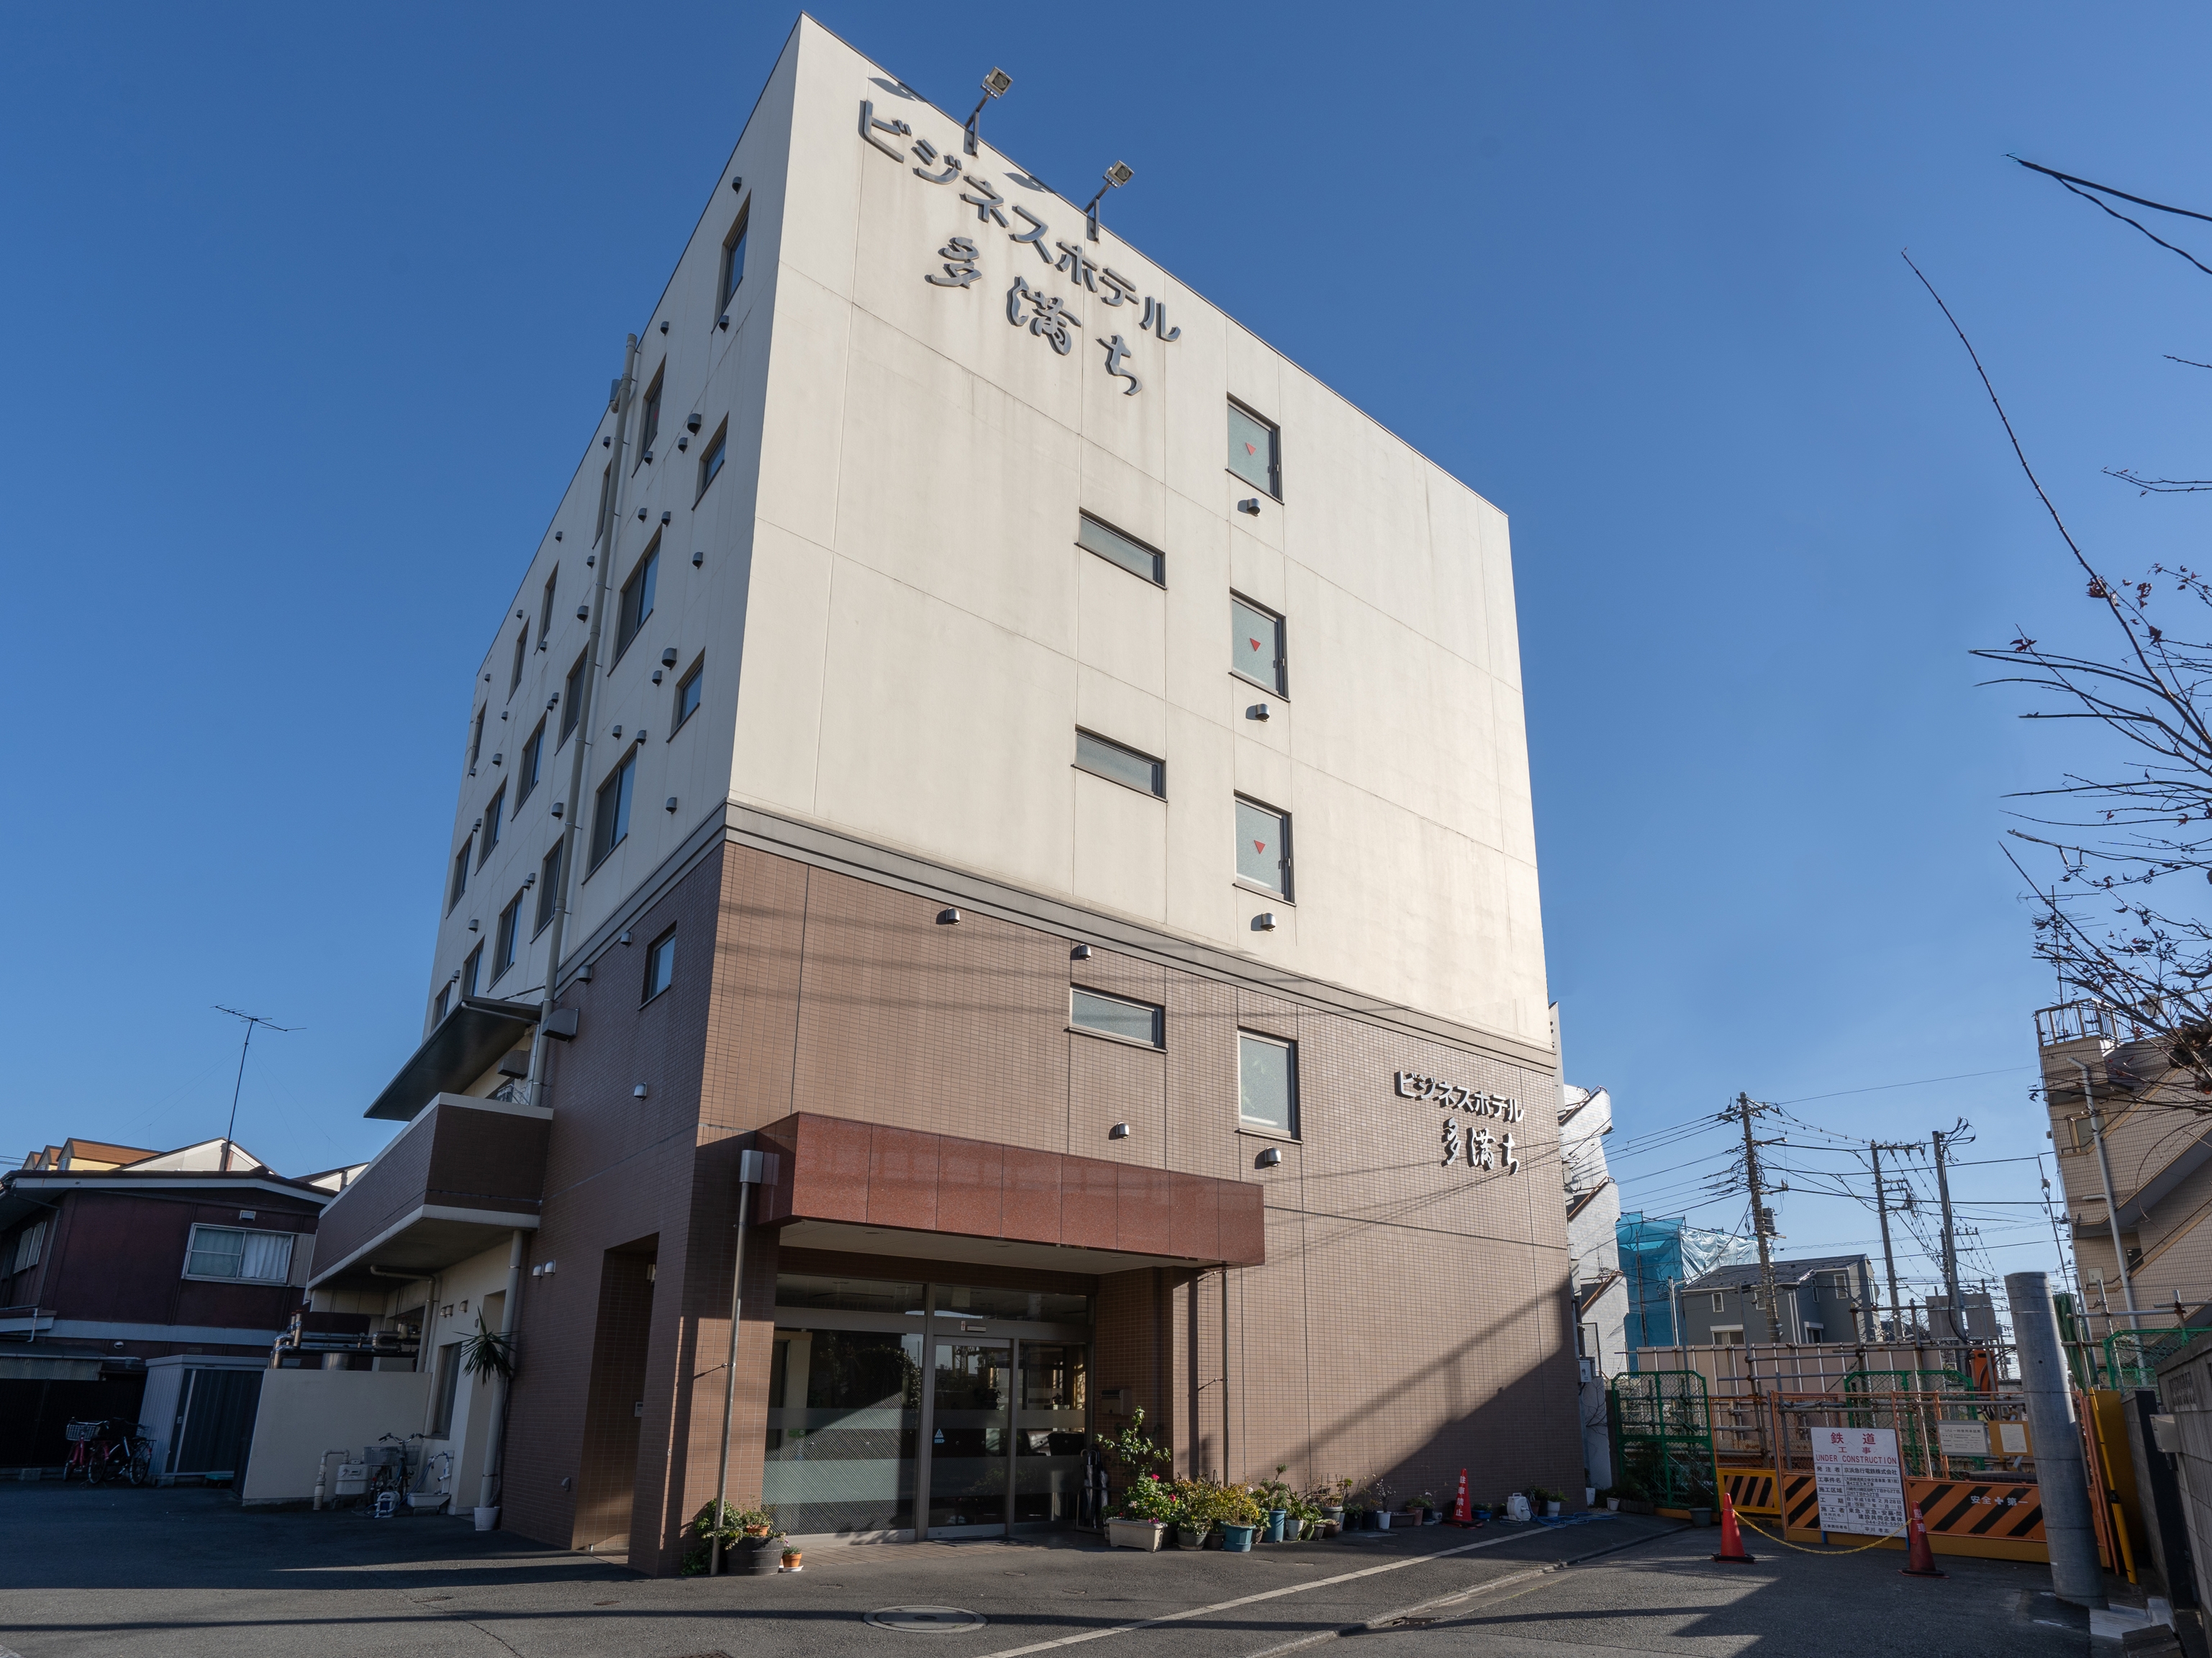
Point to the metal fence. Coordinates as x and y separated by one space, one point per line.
1663 1434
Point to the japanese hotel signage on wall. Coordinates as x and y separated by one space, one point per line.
1472 1144
1043 312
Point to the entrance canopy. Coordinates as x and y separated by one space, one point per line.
867 1188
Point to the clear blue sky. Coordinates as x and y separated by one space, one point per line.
311 312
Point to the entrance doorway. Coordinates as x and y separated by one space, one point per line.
880 1430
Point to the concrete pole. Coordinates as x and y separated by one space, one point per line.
2112 1209
2075 1574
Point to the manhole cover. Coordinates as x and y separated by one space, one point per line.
926 1620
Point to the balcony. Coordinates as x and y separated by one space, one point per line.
461 1175
2073 1022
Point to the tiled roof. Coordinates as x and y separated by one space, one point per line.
1785 1271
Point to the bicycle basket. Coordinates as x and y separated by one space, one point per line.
77 1431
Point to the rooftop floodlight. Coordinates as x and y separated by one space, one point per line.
1116 175
994 86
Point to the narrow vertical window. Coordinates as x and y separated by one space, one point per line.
610 820
442 1006
572 698
459 883
637 597
1267 1082
493 815
661 964
471 971
503 941
549 887
545 607
607 501
733 259
1263 846
710 458
688 690
476 740
533 764
1255 451
1255 645
521 648
648 422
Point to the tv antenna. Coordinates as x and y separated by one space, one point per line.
252 1020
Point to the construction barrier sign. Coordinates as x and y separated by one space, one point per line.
1860 1486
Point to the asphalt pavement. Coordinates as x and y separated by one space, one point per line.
186 1574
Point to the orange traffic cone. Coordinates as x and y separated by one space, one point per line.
1732 1549
1921 1558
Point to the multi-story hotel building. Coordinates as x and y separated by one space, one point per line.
986 731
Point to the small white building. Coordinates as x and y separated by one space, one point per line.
1600 1290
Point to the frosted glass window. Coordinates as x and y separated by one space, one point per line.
1115 548
1263 847
1124 765
1267 1082
1112 1015
1255 645
1255 450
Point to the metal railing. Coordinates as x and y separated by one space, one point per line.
2073 1022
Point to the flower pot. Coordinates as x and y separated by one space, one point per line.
1188 1537
1381 1518
1331 1527
1701 1516
1334 1516
1275 1518
1551 1510
486 1518
1135 1533
1237 1539
1612 1504
791 1559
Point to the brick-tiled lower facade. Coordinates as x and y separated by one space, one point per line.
1404 1319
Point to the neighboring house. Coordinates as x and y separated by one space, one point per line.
147 1285
1593 1226
1658 1256
1825 1298
2158 1145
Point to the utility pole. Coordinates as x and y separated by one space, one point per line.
1762 1218
1945 1138
252 1020
1888 1257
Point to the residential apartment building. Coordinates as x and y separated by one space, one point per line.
1823 1298
147 1285
999 739
2157 1153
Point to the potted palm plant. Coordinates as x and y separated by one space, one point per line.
488 1354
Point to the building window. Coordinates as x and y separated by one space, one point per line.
572 697
545 608
472 972
231 1252
648 425
1267 1082
710 458
1101 758
661 964
2084 1139
686 695
1110 544
476 740
30 1243
448 1383
548 886
733 260
443 1005
1115 1016
611 822
459 883
502 945
606 502
1263 846
1717 1301
521 647
493 813
533 764
1255 451
1255 645
637 597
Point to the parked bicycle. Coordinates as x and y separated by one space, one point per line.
108 1448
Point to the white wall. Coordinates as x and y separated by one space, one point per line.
306 1413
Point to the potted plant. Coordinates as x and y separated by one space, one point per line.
1378 1508
1546 1501
1610 1497
749 1538
791 1558
488 1354
1148 1509
1241 1516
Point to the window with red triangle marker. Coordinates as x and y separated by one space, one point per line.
1262 847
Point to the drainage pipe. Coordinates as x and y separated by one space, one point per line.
749 1168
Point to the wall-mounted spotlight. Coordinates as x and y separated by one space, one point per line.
640 515
607 442
638 1092
556 808
698 559
656 675
682 443
1270 1158
1251 505
736 184
948 918
692 423
496 758
994 86
724 322
1080 953
622 937
1264 921
648 457
668 517
472 925
1257 711
668 657
583 613
671 802
1120 1131
557 534
663 328
1116 175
